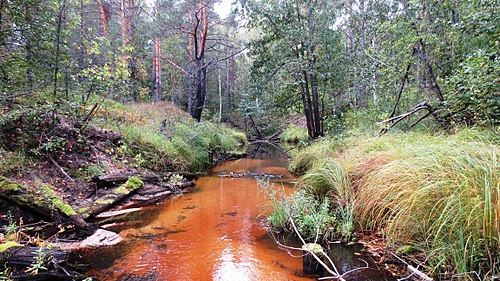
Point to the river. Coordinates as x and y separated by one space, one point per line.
217 232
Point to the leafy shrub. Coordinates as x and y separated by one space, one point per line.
472 95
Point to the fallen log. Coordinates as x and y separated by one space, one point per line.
44 201
151 194
113 179
110 199
21 259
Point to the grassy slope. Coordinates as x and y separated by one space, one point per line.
164 137
155 138
437 193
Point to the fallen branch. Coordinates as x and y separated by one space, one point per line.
111 214
119 178
413 270
60 169
392 121
110 199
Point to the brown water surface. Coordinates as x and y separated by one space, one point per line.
214 233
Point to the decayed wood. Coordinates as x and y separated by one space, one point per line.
119 178
151 194
226 174
25 197
111 199
117 213
20 258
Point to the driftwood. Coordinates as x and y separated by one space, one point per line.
111 214
113 179
229 174
151 194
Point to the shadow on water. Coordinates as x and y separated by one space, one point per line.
216 233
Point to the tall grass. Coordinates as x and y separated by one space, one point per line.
438 193
305 158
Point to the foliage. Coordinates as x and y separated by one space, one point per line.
40 262
437 193
294 135
312 217
473 90
167 139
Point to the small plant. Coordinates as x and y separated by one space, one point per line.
175 178
39 263
138 161
11 228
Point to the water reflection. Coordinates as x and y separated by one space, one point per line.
216 233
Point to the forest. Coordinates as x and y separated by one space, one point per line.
387 113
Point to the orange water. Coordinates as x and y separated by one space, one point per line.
215 233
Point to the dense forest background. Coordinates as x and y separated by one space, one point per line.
320 59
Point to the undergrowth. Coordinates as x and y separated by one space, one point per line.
294 135
437 193
167 138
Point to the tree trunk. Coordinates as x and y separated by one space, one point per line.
362 85
104 17
201 68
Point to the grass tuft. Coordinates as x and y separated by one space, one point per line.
294 135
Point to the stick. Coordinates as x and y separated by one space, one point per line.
61 169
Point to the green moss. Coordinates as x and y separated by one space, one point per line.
7 245
121 190
13 187
8 185
57 202
105 200
83 210
313 247
133 183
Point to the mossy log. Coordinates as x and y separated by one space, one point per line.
42 200
151 194
110 199
108 180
